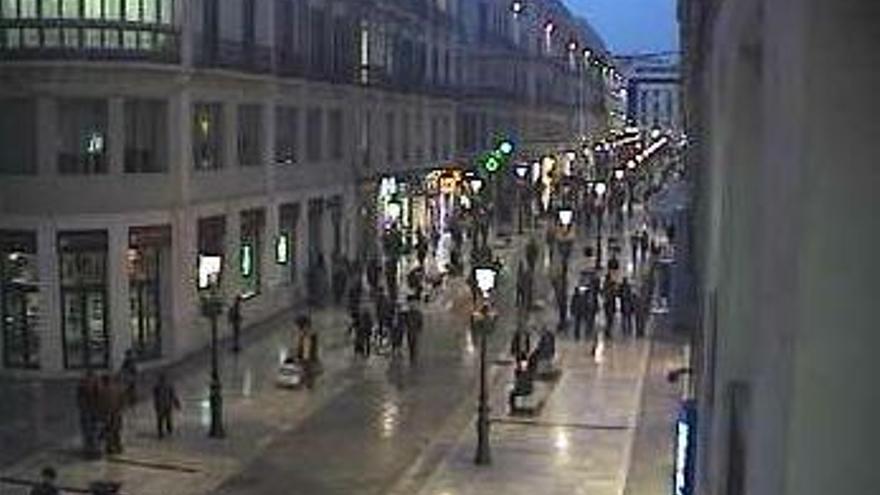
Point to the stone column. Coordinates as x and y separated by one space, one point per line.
230 135
116 135
47 138
117 283
49 324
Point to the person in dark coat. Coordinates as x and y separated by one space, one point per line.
234 317
112 403
384 313
363 333
627 307
561 293
87 397
340 278
374 272
398 330
609 299
415 324
165 402
642 310
532 254
128 373
520 344
414 281
421 248
46 486
579 309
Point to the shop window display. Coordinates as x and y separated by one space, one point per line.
19 299
84 299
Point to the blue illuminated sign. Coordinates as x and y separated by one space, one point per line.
685 447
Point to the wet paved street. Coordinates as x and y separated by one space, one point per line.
374 426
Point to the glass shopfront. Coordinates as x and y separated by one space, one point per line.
250 256
84 299
19 299
286 245
147 260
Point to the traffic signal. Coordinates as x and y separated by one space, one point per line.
494 160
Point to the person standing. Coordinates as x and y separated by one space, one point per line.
165 401
112 404
128 373
609 299
234 317
46 486
414 326
641 312
87 402
363 332
627 307
561 293
421 248
520 344
579 302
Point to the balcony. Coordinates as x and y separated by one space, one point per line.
88 39
233 55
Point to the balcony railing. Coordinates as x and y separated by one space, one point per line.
235 55
87 39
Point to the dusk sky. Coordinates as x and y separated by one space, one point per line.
631 26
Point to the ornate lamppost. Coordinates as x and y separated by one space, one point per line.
212 308
483 322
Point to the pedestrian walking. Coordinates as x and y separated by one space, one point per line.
521 282
634 244
414 326
374 272
561 293
340 278
112 403
579 309
609 300
627 307
128 373
421 248
165 402
384 314
642 311
87 396
46 486
520 344
414 279
531 254
363 333
234 317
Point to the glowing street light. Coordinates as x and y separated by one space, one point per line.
476 184
565 217
521 170
600 189
631 164
618 174
517 7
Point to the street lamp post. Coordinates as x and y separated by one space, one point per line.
483 325
600 213
212 308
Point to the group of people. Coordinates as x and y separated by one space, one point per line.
103 399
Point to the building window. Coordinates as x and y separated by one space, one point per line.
286 135
336 133
250 251
250 132
288 225
82 134
148 257
208 136
18 137
211 239
19 299
84 302
145 138
314 135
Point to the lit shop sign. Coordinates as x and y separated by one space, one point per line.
282 249
209 270
388 187
685 436
247 260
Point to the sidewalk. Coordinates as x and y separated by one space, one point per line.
257 413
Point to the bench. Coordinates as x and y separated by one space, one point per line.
531 404
548 370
